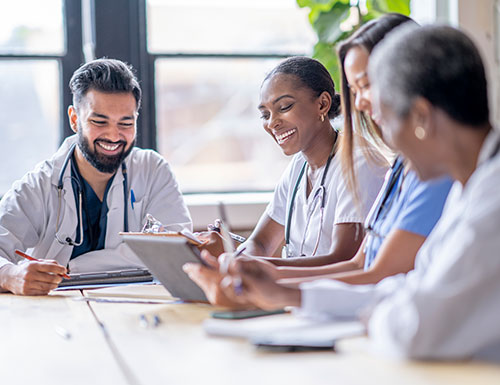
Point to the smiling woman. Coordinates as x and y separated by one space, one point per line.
312 211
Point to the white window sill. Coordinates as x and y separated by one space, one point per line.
243 210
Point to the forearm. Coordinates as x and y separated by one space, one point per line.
287 297
4 277
255 248
297 272
315 261
360 277
346 241
353 277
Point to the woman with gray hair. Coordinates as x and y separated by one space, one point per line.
429 92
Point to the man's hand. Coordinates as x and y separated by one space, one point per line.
32 278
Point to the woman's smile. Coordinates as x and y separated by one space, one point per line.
284 136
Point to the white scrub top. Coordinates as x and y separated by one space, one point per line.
340 206
449 306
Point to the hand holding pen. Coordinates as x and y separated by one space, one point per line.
216 226
38 277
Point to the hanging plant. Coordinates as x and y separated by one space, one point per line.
335 20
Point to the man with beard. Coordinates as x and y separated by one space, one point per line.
67 213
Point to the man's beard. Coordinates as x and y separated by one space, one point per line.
103 163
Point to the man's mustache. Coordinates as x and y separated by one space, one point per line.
109 141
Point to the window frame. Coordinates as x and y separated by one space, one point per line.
136 53
68 61
126 19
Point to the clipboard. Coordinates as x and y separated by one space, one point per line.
185 234
164 255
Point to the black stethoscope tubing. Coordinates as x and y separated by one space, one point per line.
396 170
296 187
60 186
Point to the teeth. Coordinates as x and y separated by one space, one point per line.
283 137
109 147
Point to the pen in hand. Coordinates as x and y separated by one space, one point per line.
30 258
224 266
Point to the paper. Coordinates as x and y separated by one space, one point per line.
319 335
247 327
285 329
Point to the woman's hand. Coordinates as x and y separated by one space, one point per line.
208 278
213 242
250 280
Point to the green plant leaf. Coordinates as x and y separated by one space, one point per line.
370 15
315 3
327 24
384 6
326 55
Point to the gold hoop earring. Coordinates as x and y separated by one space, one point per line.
420 133
322 117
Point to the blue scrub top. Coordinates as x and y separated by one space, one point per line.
94 215
413 206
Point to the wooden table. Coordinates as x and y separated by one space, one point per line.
58 339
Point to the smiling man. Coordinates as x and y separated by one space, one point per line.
69 210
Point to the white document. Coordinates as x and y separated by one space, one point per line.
285 329
316 335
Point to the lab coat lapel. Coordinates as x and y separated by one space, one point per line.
68 219
115 201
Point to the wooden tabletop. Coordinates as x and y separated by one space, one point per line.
60 339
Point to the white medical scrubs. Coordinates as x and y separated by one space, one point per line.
340 205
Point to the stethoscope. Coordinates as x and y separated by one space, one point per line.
60 187
382 202
319 194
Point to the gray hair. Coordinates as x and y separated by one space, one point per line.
438 63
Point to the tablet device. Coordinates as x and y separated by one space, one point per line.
164 257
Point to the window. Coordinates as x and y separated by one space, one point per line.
209 61
31 42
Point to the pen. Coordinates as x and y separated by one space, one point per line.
226 261
30 258
63 333
132 198
145 322
235 237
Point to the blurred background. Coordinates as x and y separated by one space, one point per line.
200 64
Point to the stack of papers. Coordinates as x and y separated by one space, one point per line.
285 330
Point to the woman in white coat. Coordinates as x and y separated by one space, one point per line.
429 91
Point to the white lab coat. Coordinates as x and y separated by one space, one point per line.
28 211
449 305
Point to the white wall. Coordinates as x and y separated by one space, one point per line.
480 19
